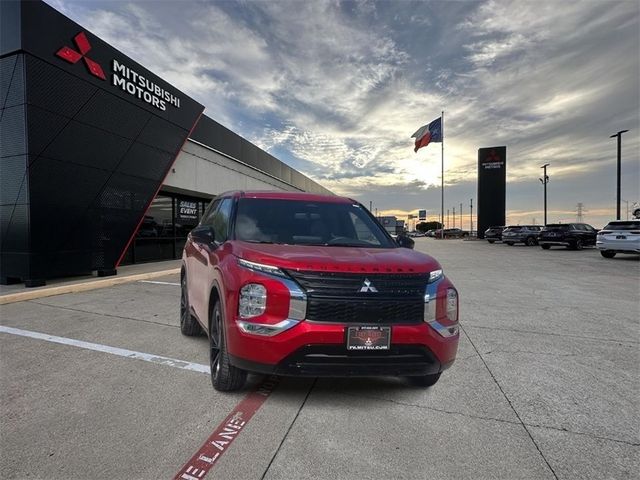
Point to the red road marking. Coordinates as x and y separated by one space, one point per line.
224 435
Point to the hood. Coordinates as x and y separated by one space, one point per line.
337 259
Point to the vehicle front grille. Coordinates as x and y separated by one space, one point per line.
338 297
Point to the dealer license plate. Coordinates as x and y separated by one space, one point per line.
365 337
621 237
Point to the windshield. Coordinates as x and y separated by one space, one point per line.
513 229
630 225
301 222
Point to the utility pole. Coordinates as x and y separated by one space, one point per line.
470 215
619 135
580 211
447 218
460 215
544 180
370 206
454 217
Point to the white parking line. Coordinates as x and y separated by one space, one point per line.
121 352
160 283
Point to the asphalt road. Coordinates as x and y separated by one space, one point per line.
546 385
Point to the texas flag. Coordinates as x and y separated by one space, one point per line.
428 133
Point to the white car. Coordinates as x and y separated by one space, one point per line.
619 236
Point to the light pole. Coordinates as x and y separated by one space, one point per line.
447 218
619 135
454 217
544 180
471 215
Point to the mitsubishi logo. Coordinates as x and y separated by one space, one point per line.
72 56
367 287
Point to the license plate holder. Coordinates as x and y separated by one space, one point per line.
621 237
368 338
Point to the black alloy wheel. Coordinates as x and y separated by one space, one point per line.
189 326
530 242
224 376
577 244
545 246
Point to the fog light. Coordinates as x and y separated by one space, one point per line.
253 300
452 305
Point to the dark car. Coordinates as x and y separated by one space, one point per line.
570 235
493 234
309 285
527 234
451 233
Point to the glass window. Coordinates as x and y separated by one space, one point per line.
623 225
158 222
302 222
220 220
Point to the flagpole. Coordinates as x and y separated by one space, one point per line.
442 179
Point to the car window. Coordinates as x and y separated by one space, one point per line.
303 222
630 225
220 220
207 218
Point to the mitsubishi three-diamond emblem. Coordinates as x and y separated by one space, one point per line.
368 287
73 56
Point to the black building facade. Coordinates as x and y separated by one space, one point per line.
87 136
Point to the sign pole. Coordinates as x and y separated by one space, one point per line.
442 179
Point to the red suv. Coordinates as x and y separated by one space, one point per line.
310 285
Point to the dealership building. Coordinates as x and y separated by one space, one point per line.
103 163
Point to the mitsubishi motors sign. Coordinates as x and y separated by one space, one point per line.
122 76
67 46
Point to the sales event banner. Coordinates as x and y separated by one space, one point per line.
492 176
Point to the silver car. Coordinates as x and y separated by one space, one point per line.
619 236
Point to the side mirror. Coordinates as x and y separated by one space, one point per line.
405 242
203 234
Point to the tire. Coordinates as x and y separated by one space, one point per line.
545 247
509 243
576 244
530 242
189 326
607 253
224 376
491 241
425 380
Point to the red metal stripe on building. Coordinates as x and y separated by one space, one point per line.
224 435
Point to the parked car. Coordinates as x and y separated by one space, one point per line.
310 285
527 234
493 234
451 233
571 235
619 236
430 233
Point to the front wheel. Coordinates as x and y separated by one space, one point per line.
509 243
607 253
224 376
577 245
530 242
491 241
189 326
425 380
545 247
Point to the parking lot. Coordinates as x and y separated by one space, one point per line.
545 385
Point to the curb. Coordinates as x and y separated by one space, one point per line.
82 287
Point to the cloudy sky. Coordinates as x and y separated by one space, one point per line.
335 89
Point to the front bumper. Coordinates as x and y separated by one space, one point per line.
333 360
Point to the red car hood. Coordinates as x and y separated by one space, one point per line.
337 259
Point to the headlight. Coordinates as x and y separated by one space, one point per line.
452 305
253 300
435 275
262 268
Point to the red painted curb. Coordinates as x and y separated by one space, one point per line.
224 435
